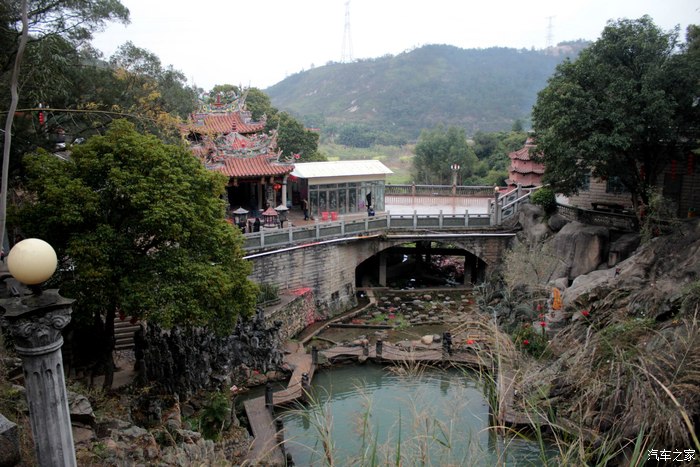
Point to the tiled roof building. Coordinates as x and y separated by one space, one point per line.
523 170
226 139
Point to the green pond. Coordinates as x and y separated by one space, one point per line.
369 415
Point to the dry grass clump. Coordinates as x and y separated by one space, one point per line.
630 380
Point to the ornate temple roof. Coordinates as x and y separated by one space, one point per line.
221 124
256 166
226 139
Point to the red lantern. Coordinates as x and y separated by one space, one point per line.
277 187
41 118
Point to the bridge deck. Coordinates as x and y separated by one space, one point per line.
393 353
265 448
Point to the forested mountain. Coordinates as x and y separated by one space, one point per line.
477 89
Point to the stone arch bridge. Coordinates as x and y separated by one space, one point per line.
328 265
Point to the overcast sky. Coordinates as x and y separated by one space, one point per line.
260 42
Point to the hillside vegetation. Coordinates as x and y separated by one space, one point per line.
392 98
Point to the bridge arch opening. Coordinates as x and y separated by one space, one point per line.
421 264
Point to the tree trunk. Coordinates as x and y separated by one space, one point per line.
10 117
108 356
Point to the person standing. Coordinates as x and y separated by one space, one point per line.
305 208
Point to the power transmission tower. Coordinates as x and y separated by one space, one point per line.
550 35
346 55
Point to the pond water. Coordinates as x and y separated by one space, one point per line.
368 415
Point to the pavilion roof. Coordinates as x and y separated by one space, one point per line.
221 123
256 166
340 168
523 153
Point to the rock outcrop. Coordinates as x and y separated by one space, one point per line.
581 247
184 361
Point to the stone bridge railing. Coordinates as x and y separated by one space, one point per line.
438 190
360 227
606 219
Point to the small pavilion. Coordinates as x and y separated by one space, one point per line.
340 187
523 170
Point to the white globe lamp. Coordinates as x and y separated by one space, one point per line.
32 261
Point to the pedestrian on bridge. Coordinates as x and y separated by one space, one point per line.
305 208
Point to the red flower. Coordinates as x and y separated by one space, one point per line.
526 342
470 341
540 316
539 307
543 324
585 313
297 156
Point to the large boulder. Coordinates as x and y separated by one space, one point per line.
623 247
9 443
556 222
582 248
531 219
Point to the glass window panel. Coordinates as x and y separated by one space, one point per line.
313 201
342 198
322 201
333 200
380 196
352 200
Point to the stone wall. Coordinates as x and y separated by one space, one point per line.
182 361
296 311
327 269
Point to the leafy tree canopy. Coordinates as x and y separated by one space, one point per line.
258 103
73 20
140 226
624 108
437 150
293 138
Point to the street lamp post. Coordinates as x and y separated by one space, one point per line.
455 169
35 320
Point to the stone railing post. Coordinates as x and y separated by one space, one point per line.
35 321
496 207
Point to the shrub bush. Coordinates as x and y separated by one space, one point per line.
544 197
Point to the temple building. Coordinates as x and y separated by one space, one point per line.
226 139
523 170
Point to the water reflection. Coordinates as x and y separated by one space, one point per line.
365 415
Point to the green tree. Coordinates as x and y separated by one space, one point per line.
624 108
140 226
437 150
293 138
144 88
74 21
258 103
225 92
